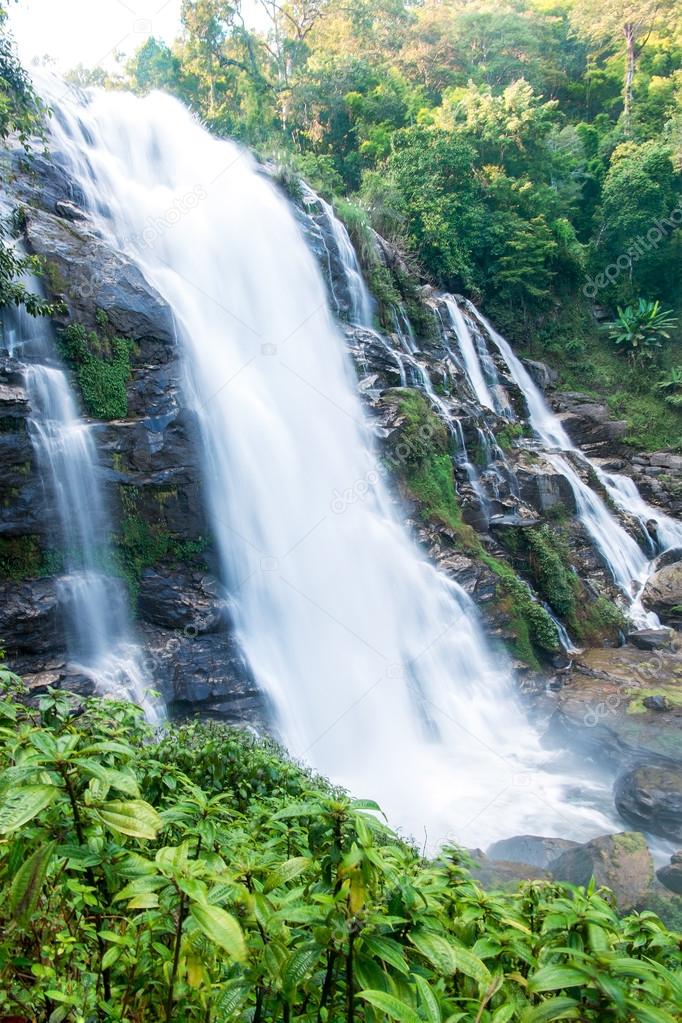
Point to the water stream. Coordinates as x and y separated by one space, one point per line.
92 596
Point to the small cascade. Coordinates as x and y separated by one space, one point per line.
623 556
478 365
352 297
374 662
92 597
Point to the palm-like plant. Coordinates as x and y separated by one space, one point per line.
671 385
640 330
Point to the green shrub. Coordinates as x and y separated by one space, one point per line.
146 880
102 368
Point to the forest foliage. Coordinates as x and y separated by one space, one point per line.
198 874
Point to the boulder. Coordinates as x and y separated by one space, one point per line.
651 639
587 422
621 862
543 488
542 374
650 797
533 849
670 876
663 591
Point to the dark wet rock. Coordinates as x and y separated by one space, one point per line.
663 591
670 876
29 616
651 639
588 422
542 374
89 275
531 849
656 703
176 597
621 862
68 210
543 488
650 797
203 675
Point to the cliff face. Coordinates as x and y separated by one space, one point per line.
499 518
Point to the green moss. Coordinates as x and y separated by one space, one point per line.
508 434
102 368
141 544
637 696
595 621
423 459
532 624
23 557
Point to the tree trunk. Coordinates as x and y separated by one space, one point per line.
631 59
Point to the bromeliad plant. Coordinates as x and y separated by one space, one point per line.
203 876
641 330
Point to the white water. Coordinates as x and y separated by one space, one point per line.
625 559
375 663
93 603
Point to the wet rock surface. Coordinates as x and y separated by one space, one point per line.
621 862
650 797
532 849
663 592
670 876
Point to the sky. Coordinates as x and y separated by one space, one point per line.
89 31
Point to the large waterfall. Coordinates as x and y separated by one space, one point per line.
375 664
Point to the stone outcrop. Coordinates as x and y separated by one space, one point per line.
533 849
663 592
650 797
620 862
543 375
670 876
589 423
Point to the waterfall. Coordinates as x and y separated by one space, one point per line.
93 600
628 564
375 663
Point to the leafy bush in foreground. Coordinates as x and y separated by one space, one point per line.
205 877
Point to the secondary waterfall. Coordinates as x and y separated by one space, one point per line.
625 559
375 663
92 597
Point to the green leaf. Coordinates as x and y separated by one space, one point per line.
23 804
221 928
298 966
120 780
427 1000
388 950
300 810
554 1008
447 958
286 872
649 1014
232 998
28 883
391 1006
555 977
134 817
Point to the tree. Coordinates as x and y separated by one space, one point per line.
21 114
628 23
641 330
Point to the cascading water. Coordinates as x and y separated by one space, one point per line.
374 662
625 559
93 603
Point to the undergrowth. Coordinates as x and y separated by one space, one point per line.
205 877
